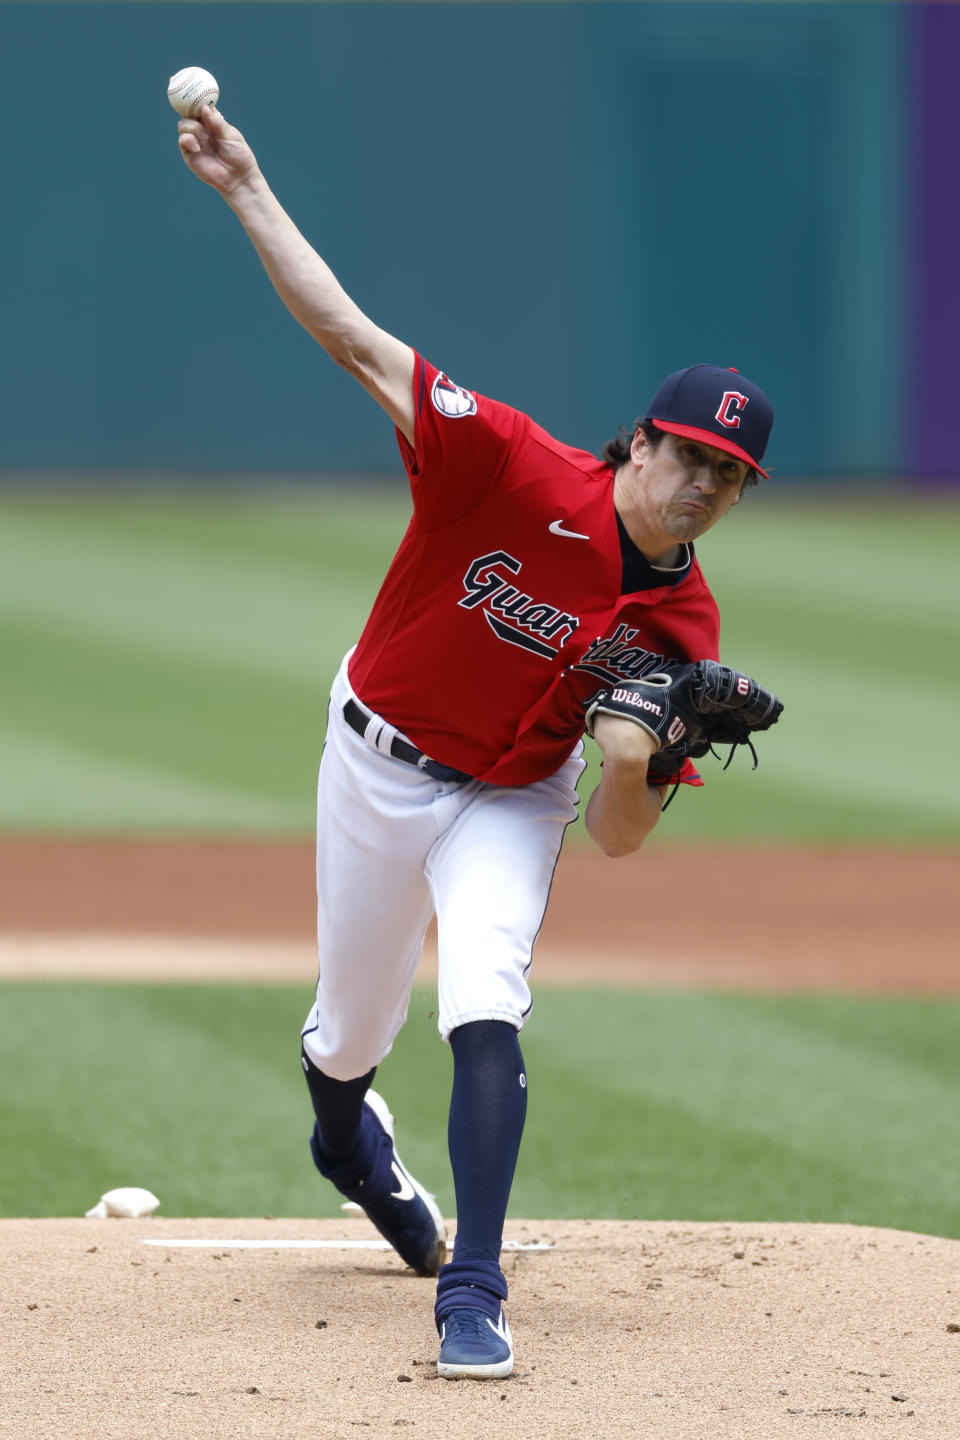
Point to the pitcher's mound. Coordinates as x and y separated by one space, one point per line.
665 1330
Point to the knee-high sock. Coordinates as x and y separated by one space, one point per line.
487 1111
338 1106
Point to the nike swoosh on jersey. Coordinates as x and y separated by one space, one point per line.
556 528
406 1191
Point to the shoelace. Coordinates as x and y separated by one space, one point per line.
467 1324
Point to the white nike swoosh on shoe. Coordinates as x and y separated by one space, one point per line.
556 528
406 1191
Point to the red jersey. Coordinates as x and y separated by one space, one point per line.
501 611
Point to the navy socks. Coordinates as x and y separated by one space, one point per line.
487 1111
488 1108
338 1106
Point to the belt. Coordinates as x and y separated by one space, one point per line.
358 719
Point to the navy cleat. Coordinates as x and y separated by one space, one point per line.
472 1346
405 1214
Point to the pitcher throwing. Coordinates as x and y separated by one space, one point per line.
538 589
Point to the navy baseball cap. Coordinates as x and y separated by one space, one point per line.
717 406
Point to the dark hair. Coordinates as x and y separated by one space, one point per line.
617 451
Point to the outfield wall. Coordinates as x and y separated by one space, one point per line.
558 202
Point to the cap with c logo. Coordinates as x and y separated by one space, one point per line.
717 406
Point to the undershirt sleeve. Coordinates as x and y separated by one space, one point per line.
462 444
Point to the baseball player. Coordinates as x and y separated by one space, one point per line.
536 585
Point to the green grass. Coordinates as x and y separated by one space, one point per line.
166 660
657 1106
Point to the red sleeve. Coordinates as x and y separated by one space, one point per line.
688 774
462 442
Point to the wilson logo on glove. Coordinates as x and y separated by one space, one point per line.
703 704
630 697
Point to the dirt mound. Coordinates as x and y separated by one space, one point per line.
678 1331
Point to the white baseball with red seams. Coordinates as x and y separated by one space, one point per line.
190 89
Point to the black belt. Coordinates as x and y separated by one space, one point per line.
358 719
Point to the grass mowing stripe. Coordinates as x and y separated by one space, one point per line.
792 630
829 683
203 722
194 1092
679 1106
148 1100
800 793
887 792
802 1059
837 733
781 812
806 1108
261 620
319 531
905 535
817 581
197 636
687 1168
89 791
865 582
840 730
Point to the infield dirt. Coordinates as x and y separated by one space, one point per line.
791 919
678 1332
666 1330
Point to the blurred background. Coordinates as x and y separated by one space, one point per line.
562 202
558 203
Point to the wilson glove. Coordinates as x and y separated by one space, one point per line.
689 708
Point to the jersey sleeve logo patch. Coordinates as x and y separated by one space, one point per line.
451 400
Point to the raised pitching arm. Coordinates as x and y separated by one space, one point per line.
218 154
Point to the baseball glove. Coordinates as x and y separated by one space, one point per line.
688 709
656 703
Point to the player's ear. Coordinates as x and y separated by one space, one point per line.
638 446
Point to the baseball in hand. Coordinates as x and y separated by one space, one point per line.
190 89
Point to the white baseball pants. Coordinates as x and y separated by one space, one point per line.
393 847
